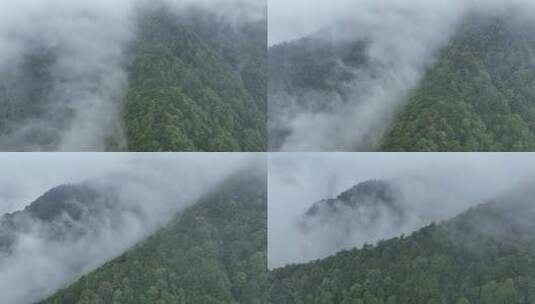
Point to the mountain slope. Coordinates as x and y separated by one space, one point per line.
311 75
24 92
485 255
197 83
213 252
478 96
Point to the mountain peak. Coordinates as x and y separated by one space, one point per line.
370 193
68 198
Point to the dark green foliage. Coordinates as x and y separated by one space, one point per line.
485 255
196 84
479 96
213 252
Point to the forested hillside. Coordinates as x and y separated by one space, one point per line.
63 213
213 252
187 78
478 96
485 255
197 83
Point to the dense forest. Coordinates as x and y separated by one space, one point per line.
485 255
213 252
478 96
197 83
24 92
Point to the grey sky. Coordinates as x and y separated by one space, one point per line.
291 19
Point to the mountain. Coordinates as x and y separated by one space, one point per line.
484 255
197 83
315 62
359 208
64 212
366 213
478 96
213 252
311 74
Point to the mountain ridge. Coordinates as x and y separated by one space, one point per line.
212 252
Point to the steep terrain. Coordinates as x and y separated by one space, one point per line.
477 93
485 255
197 83
478 96
213 252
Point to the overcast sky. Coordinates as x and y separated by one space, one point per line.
25 176
454 180
291 19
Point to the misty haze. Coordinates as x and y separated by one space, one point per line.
125 228
267 152
401 228
133 75
416 75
